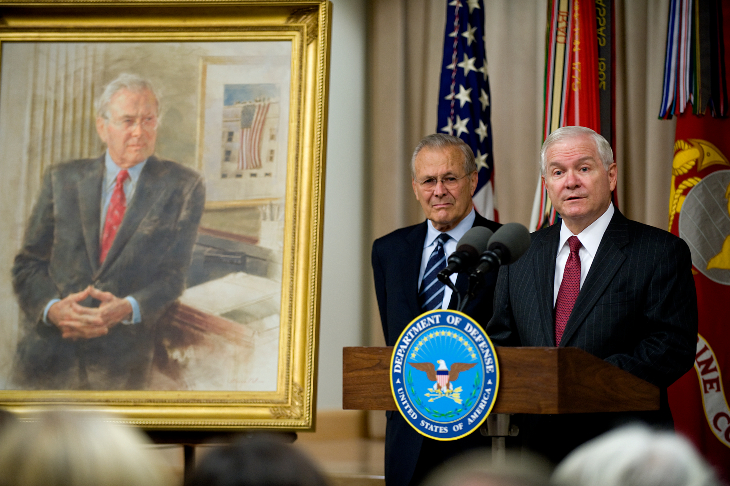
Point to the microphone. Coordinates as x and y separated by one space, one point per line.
470 246
507 244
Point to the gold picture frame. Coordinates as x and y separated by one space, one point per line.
56 57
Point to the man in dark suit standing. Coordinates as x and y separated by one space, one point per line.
444 178
106 251
618 289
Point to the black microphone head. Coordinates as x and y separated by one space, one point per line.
475 241
512 239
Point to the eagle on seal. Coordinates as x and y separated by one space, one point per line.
443 376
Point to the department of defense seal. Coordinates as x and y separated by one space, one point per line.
444 374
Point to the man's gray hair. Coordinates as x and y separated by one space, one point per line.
130 82
441 140
635 455
561 134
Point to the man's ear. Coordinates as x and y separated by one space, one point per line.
101 128
612 176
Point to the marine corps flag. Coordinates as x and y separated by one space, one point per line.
699 212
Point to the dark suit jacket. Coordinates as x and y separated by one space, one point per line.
637 310
396 260
148 260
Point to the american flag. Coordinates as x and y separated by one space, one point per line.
464 105
253 117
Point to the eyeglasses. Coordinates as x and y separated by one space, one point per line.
148 123
449 182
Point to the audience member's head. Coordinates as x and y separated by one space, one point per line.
69 448
477 468
6 418
256 460
635 455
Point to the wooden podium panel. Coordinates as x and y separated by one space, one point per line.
531 380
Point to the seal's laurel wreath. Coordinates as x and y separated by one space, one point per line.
441 356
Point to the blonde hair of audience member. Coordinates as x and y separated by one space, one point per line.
78 449
635 455
476 468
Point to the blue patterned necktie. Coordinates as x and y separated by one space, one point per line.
431 294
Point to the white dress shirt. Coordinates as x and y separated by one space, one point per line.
111 170
449 247
589 238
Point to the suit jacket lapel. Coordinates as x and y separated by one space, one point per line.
544 268
412 270
89 194
606 263
149 188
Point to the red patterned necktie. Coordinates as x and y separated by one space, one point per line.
114 215
569 288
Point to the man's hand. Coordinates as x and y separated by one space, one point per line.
75 320
112 310
79 322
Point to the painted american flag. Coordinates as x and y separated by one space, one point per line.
464 99
253 117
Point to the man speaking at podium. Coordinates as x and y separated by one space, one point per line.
618 289
405 265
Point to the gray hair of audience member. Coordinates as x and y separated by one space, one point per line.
635 455
605 152
478 468
130 82
256 460
442 141
78 448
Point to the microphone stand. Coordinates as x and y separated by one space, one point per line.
474 283
490 260
444 279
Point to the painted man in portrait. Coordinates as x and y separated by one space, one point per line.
106 252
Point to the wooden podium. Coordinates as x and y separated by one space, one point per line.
531 380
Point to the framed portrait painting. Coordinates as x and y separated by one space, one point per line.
162 207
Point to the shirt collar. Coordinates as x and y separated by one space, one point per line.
456 232
112 169
591 236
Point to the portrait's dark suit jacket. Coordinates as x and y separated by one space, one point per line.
637 309
148 260
396 260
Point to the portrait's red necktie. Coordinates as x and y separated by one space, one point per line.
114 215
569 288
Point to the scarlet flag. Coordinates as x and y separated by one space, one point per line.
699 212
578 81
